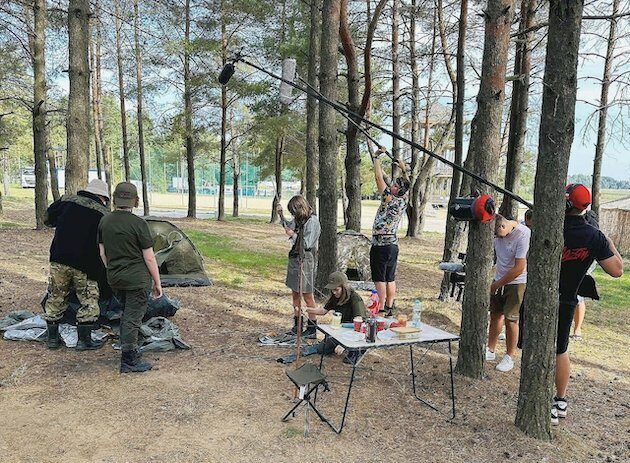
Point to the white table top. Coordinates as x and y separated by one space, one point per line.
428 334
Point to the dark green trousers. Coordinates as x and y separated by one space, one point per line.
134 302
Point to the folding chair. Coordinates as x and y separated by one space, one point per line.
308 379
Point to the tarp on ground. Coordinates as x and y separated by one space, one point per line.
178 259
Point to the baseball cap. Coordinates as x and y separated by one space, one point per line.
98 187
125 194
336 279
577 196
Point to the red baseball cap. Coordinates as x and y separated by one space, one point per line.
577 196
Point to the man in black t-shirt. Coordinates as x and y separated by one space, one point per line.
583 243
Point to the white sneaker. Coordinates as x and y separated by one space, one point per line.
502 336
490 355
554 417
506 364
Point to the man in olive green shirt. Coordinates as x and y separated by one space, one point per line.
126 247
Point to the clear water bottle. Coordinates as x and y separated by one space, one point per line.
416 317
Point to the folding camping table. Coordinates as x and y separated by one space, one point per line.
429 337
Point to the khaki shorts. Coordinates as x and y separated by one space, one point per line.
508 301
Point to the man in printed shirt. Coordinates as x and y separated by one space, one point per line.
384 250
583 243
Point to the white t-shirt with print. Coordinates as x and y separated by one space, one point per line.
509 248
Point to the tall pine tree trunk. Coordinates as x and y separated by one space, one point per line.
454 229
143 172
416 160
519 108
312 161
395 85
188 110
603 110
94 106
105 154
484 149
78 135
224 115
40 131
352 212
327 255
121 90
557 125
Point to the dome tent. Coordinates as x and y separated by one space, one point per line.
178 259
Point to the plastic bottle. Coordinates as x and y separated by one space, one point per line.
373 303
416 318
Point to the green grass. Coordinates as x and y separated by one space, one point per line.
612 308
9 225
233 265
612 195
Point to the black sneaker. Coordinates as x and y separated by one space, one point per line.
311 330
560 404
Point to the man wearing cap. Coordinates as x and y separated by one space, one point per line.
384 250
126 248
75 261
583 243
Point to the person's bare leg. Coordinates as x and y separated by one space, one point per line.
496 325
563 371
381 289
511 336
391 293
310 302
578 318
295 296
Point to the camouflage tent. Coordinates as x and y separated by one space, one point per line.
353 253
179 261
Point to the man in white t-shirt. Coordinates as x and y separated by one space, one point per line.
511 244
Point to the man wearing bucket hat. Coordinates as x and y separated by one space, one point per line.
75 261
126 248
583 243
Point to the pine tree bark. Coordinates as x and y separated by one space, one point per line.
105 154
37 42
224 115
52 170
519 108
603 110
454 229
352 163
94 97
121 90
143 171
395 85
78 135
327 255
485 149
188 111
312 153
557 126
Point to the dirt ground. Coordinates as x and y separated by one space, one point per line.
222 401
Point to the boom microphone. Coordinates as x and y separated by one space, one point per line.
288 74
226 73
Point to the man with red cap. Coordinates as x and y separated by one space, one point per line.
583 243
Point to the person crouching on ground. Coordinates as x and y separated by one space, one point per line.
304 231
384 250
511 244
126 247
583 243
343 299
74 261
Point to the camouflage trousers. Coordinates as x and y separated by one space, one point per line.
62 279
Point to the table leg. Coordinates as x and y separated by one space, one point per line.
450 362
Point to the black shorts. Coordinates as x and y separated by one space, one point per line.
565 320
383 260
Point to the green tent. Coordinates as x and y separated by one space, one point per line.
180 263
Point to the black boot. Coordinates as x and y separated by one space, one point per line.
311 329
294 330
131 362
53 340
84 331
